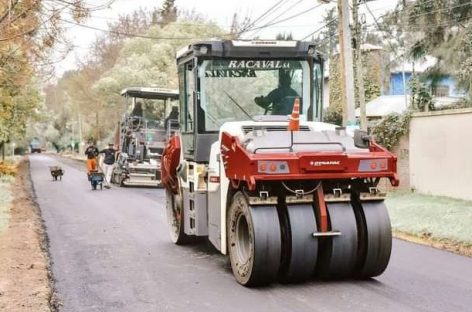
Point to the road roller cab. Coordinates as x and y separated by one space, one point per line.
254 169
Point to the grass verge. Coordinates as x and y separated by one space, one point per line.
438 221
5 198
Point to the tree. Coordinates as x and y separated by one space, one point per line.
29 30
168 12
327 40
239 26
284 36
91 94
442 29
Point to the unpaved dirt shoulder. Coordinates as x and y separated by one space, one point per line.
25 280
444 244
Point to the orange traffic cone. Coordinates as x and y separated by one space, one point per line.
294 123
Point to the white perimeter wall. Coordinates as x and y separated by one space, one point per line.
441 153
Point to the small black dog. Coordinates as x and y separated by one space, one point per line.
56 173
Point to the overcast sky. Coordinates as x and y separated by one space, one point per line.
221 12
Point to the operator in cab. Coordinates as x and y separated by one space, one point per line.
137 110
173 116
280 100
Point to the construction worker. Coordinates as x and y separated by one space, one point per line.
92 153
279 100
137 110
108 163
173 116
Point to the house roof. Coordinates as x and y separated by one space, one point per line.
419 66
384 105
388 104
445 100
370 47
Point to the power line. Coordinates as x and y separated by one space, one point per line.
420 14
440 9
264 14
88 8
281 14
378 26
114 19
319 29
285 19
410 27
130 35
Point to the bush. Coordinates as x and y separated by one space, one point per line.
333 116
7 169
391 128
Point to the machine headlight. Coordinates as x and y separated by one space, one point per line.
272 167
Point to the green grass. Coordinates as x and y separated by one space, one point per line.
5 198
435 216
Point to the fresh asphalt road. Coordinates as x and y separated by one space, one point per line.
111 251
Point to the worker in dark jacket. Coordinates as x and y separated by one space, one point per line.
108 163
279 100
137 115
137 110
173 116
92 153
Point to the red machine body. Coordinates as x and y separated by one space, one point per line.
241 165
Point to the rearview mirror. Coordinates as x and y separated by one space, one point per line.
361 138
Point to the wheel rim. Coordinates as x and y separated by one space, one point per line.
243 239
254 242
241 250
174 215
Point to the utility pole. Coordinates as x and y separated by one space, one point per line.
79 121
347 71
359 65
97 127
9 13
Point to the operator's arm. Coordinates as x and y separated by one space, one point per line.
265 101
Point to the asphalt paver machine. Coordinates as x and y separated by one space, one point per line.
284 203
150 115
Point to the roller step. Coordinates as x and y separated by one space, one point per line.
326 234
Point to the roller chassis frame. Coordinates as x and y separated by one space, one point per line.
349 195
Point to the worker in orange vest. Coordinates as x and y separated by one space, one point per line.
92 153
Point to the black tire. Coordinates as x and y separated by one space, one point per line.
299 248
254 242
339 253
375 238
175 218
94 185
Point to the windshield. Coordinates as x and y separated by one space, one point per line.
236 90
152 112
